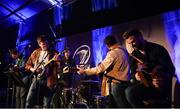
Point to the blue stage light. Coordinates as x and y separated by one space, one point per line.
172 29
99 48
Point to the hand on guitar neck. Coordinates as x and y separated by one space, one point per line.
70 69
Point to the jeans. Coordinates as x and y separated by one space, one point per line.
118 94
39 89
137 93
20 97
21 94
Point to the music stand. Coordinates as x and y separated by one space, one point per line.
16 80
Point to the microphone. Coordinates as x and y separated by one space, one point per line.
58 40
29 46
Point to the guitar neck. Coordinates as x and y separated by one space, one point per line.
52 59
69 69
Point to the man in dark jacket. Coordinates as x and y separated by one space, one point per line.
151 71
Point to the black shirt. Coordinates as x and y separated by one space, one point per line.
67 77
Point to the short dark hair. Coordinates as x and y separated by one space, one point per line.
13 51
41 38
110 40
134 32
66 49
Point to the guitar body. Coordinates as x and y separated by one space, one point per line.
144 81
42 74
144 74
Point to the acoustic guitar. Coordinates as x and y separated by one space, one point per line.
141 72
41 72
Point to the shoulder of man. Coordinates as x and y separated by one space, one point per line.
154 45
35 52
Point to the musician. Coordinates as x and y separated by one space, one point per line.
67 79
42 85
18 68
151 69
117 69
66 69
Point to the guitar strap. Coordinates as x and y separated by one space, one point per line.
43 57
42 60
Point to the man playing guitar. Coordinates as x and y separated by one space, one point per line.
42 58
17 67
151 69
